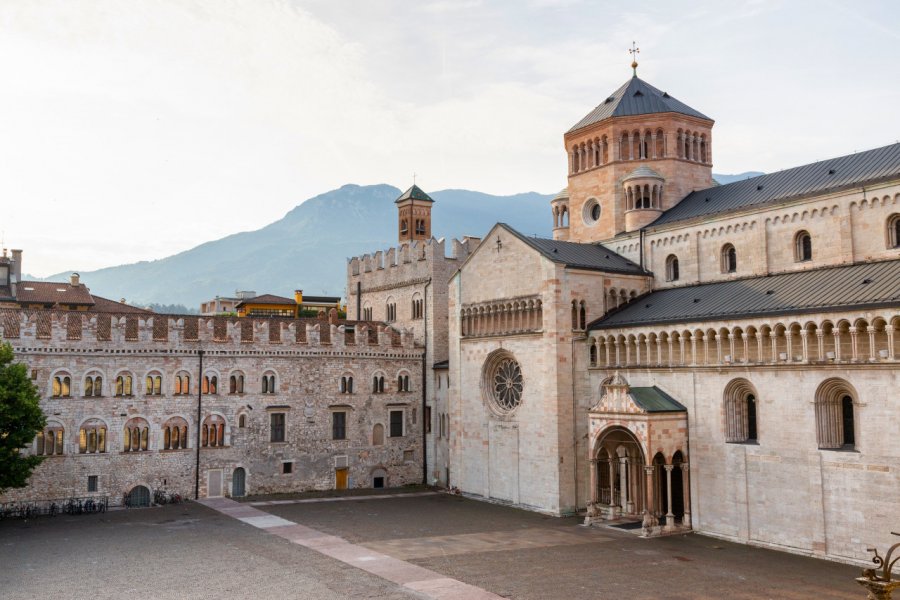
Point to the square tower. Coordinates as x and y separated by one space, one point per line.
414 215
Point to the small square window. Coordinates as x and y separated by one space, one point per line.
92 483
287 468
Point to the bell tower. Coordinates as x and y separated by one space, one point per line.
414 215
633 157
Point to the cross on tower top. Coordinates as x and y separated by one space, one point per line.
634 52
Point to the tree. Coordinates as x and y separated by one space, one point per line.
21 418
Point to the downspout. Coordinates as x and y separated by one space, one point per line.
359 301
424 383
641 233
199 405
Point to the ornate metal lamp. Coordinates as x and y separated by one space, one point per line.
880 584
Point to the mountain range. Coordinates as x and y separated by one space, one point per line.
308 248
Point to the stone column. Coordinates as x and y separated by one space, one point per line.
670 516
647 353
681 349
648 522
623 483
872 355
652 144
774 337
804 343
618 354
837 344
789 344
853 345
686 484
612 488
731 349
671 348
889 332
693 349
592 505
820 341
746 339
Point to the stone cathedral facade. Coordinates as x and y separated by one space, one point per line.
686 355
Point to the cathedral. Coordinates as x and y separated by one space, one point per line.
683 355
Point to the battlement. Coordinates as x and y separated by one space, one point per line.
62 329
411 260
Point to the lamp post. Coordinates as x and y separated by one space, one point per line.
880 585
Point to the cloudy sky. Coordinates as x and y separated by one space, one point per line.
132 130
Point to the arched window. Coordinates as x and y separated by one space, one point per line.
835 415
403 383
347 384
404 228
378 384
236 383
62 386
182 384
574 314
582 315
729 259
93 386
242 421
136 436
212 433
124 385
92 437
740 412
268 383
672 268
802 246
893 231
175 434
49 442
210 384
593 354
378 434
153 385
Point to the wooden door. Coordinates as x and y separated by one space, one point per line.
214 483
340 478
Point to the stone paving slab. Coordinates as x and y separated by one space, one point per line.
419 579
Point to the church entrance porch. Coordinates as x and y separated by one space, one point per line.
628 425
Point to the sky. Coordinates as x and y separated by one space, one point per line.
135 130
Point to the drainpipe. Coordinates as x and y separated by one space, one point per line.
424 382
359 301
199 405
641 234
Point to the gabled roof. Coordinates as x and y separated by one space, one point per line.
834 174
414 193
593 257
105 305
654 400
267 299
51 292
636 97
859 286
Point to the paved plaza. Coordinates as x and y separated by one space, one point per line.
417 545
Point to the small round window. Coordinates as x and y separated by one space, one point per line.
591 212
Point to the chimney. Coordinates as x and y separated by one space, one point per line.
298 296
74 280
17 264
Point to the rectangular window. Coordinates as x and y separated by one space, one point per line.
427 419
396 423
277 420
92 483
287 468
339 425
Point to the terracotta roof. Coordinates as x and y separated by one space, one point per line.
105 305
50 292
268 299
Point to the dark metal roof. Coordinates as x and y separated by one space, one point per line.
833 174
321 299
414 193
654 400
636 97
594 257
841 287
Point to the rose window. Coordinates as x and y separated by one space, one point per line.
507 385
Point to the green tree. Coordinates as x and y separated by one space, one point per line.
21 419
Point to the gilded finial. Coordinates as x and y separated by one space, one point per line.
634 52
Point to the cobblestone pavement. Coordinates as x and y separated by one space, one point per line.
193 551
